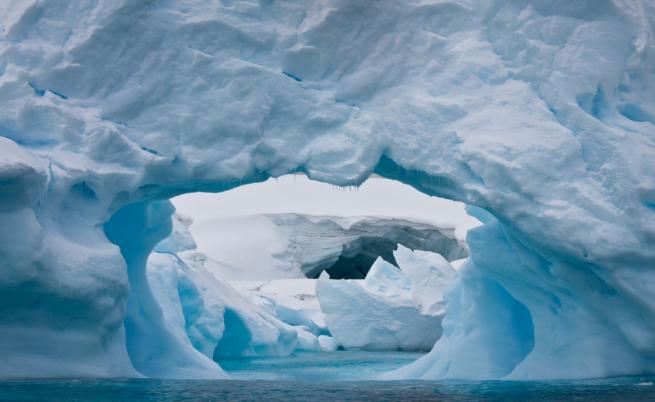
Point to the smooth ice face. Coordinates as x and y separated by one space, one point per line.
294 302
539 112
184 311
227 320
203 312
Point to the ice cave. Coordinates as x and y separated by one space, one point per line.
537 116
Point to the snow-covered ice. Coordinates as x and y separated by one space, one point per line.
291 227
392 308
538 113
277 246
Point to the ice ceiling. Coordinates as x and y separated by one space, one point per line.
540 113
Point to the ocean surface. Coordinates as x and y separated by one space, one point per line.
318 366
317 377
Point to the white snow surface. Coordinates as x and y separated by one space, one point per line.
539 112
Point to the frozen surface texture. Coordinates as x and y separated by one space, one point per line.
294 302
539 112
297 245
392 309
207 313
429 274
347 247
232 226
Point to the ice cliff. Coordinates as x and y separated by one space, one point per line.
295 245
539 113
212 320
347 247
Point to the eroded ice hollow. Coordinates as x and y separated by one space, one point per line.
250 239
539 113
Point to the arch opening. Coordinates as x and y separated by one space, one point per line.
140 228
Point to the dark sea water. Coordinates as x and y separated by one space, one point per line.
318 377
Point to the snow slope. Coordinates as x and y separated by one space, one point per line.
538 112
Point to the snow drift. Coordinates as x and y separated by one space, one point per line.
540 113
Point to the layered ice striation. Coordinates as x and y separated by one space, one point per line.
293 245
540 113
392 309
285 226
347 247
206 312
294 302
229 320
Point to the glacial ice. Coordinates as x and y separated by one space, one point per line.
539 113
429 274
235 319
346 247
292 245
396 309
269 230
294 302
208 313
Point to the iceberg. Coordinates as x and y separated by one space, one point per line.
392 308
207 312
430 275
296 246
537 114
346 247
294 302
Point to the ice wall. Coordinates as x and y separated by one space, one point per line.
393 308
346 247
208 314
208 318
540 112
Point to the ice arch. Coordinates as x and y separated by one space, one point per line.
539 112
347 247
